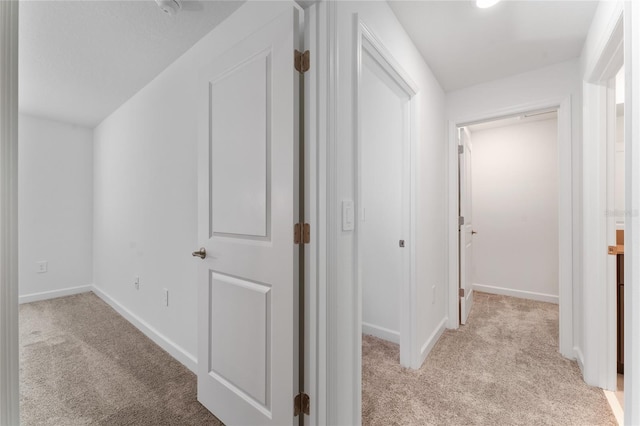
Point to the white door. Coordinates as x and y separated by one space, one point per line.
384 115
248 204
466 229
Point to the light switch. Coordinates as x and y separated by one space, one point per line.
347 215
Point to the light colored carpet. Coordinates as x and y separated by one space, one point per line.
81 363
502 368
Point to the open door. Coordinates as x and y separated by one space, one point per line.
248 205
466 224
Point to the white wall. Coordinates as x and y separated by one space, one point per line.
538 86
55 207
515 209
146 197
343 386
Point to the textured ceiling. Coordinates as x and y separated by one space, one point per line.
465 45
80 60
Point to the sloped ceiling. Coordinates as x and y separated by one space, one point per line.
80 60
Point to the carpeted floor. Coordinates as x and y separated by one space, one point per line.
502 368
83 364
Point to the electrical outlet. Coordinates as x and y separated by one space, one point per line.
136 282
165 296
42 266
433 295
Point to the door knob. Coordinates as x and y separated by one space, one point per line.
473 232
202 253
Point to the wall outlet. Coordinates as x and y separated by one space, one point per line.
165 297
433 295
42 266
136 282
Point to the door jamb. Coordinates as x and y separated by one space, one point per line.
599 324
565 210
312 276
367 41
9 380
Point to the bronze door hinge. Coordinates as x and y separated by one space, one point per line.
301 233
301 404
301 61
461 292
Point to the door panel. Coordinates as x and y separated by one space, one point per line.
384 116
240 319
466 230
239 119
248 198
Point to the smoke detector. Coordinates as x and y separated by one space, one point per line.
170 7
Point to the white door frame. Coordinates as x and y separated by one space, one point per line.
565 234
369 43
9 366
321 137
599 289
599 347
632 201
314 253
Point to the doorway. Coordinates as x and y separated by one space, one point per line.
509 208
562 213
383 205
616 215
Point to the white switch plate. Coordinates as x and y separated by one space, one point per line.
42 267
165 297
347 215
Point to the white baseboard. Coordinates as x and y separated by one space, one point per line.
168 345
541 297
45 295
431 342
579 358
381 332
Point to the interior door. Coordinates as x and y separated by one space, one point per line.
248 205
384 108
466 228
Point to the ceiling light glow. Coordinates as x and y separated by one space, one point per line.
483 4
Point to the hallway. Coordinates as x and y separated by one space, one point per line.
502 368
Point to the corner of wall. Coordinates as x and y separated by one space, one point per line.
579 358
431 341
